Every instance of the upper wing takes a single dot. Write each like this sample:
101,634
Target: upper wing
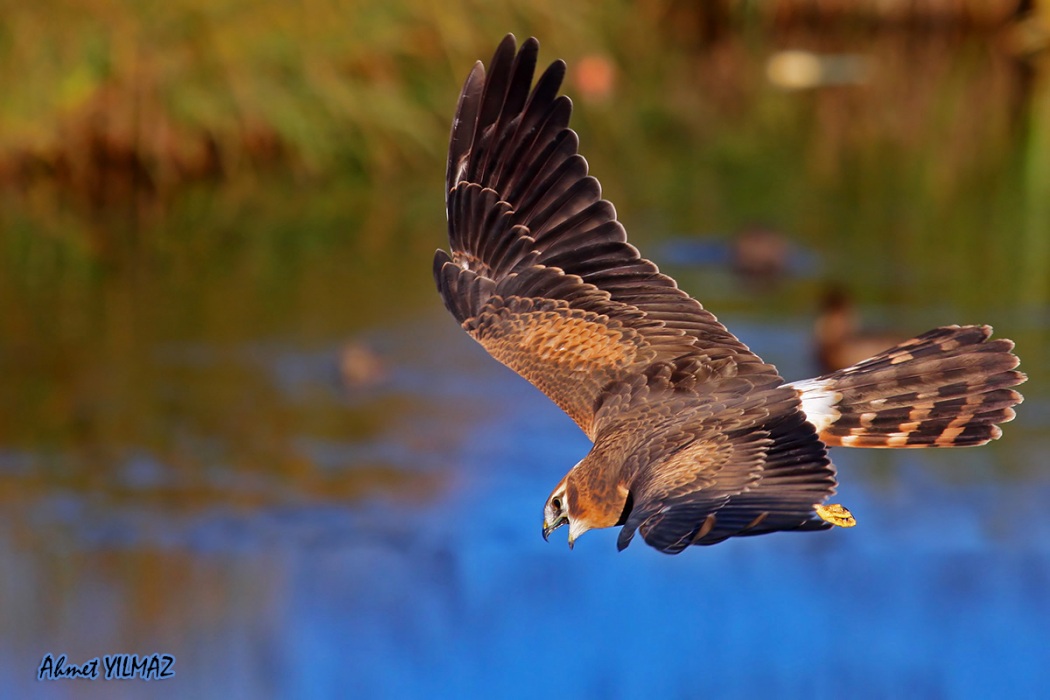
745,463
540,271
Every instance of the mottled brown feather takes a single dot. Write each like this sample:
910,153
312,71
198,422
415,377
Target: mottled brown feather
568,353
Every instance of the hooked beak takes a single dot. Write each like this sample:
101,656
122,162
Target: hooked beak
549,528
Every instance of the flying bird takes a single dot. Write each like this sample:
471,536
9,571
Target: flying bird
695,438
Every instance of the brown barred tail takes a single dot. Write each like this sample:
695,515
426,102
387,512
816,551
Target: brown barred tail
950,387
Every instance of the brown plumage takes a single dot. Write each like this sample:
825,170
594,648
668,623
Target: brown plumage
696,439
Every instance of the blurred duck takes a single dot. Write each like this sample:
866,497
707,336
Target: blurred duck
839,343
360,366
760,253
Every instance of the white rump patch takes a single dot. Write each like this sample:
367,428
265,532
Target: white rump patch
818,402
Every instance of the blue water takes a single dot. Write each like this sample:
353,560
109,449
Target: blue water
941,591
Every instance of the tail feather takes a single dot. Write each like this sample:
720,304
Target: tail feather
950,387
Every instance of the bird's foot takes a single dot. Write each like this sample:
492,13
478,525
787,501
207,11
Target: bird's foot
836,514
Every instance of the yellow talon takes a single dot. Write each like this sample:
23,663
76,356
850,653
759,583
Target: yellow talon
836,514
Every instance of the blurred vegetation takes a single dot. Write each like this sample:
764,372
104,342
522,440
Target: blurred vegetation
138,132
179,180
190,88
120,104
102,91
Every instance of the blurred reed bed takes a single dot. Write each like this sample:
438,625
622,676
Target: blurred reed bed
163,92
110,98
907,13
119,117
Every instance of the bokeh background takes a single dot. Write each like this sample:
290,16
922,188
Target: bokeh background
237,426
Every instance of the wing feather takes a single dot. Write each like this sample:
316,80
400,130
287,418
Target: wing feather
750,464
521,206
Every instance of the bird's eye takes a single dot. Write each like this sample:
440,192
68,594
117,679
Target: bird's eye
556,502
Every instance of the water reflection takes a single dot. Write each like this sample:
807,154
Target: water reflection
188,466
940,593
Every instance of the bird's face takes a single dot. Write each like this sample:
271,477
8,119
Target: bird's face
557,513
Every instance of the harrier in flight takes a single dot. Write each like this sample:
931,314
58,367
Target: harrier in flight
696,439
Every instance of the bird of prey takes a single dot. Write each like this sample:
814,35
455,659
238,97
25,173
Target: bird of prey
695,438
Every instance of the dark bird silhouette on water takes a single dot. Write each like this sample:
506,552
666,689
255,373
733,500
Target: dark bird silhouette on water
839,341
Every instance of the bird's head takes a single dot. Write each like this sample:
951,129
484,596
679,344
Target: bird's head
558,512
570,503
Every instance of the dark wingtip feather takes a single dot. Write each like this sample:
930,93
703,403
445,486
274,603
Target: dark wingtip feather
493,95
463,291
624,538
440,258
463,123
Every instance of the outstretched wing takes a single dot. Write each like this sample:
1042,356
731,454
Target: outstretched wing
540,271
741,461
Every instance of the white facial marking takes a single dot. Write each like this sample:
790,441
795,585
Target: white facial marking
576,528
